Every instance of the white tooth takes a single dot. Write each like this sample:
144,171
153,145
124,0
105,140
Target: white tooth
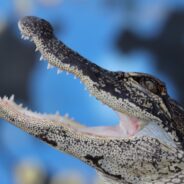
20,105
5,98
41,57
75,77
22,36
26,38
12,98
59,71
36,49
80,82
49,66
67,73
89,95
85,89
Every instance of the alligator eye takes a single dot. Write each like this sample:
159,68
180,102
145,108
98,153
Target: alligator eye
150,83
150,86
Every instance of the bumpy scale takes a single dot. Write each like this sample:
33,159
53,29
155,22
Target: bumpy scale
147,145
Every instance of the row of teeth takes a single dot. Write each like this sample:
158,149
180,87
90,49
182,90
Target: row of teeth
49,66
24,37
59,71
12,97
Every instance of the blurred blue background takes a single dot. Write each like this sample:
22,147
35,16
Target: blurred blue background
127,35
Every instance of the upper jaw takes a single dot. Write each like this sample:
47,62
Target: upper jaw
115,89
112,88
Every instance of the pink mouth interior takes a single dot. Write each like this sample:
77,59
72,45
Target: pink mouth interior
127,127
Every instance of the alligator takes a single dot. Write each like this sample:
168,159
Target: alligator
146,146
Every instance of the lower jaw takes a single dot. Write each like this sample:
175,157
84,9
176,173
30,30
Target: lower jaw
151,129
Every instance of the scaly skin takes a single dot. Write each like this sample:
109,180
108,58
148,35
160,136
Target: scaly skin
133,160
118,160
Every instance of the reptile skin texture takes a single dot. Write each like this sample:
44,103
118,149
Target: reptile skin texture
139,158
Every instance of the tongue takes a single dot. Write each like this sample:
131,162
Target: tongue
130,125
110,131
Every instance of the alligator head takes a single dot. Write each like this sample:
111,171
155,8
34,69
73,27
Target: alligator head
146,145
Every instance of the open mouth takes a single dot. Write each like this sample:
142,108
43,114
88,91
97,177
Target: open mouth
99,82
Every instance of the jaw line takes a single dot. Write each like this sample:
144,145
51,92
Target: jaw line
10,109
26,119
61,63
126,127
133,159
101,83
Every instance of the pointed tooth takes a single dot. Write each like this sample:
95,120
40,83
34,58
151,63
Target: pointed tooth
12,97
59,71
41,57
5,98
36,49
75,77
20,105
80,82
67,73
49,66
85,89
26,38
